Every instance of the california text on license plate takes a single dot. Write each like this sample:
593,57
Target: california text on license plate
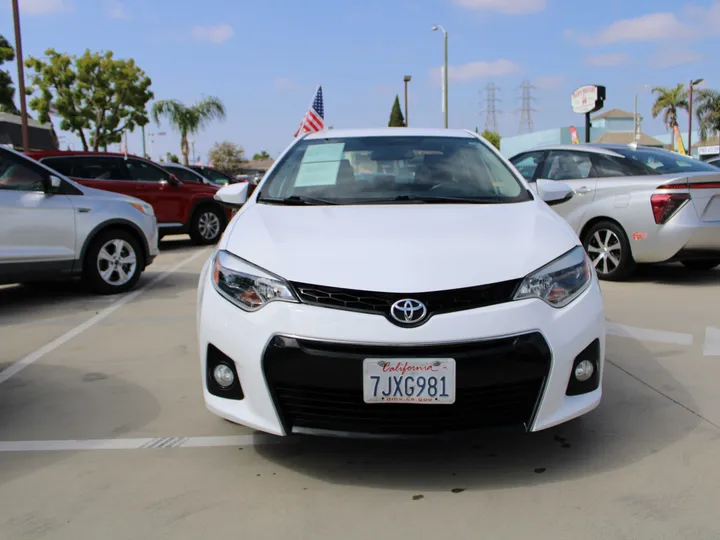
428,381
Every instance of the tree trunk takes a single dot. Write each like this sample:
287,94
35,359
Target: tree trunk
185,149
83,140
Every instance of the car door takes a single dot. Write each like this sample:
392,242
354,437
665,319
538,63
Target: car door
99,172
38,228
574,168
155,186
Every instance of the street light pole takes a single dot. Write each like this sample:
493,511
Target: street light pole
21,76
406,79
445,72
690,113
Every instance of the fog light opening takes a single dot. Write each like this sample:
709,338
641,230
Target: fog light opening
583,371
223,376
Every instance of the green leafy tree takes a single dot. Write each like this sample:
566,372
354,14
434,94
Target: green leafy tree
261,156
226,156
7,90
668,102
172,158
188,119
492,137
396,116
708,112
97,96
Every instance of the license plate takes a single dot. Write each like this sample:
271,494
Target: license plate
428,381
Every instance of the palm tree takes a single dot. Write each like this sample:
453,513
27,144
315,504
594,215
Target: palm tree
188,120
708,112
668,102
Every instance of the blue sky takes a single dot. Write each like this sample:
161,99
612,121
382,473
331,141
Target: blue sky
264,58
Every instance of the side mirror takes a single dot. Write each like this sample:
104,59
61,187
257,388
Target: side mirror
233,196
553,192
54,184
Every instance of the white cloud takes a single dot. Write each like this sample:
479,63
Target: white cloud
212,34
508,7
666,58
479,70
691,23
606,60
284,83
547,82
41,7
117,10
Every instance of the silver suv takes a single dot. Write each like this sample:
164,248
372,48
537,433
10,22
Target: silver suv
53,228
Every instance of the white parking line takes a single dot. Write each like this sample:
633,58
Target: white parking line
162,443
712,342
647,334
33,357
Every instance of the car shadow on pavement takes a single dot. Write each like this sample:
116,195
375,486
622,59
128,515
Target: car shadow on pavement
51,402
633,422
674,274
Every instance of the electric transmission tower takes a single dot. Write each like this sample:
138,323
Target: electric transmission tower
491,123
526,110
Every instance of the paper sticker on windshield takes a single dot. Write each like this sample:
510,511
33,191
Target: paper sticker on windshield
317,174
318,153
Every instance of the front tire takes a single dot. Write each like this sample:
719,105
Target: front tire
207,225
114,262
701,265
608,247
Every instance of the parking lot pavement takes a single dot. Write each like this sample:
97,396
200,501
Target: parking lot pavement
643,465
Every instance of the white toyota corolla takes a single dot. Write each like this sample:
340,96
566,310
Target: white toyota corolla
398,282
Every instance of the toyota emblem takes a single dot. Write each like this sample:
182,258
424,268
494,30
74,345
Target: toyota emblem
408,311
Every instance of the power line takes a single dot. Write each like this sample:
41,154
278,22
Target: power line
491,111
526,110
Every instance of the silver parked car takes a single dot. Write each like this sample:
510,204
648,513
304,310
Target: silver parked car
186,174
633,204
53,228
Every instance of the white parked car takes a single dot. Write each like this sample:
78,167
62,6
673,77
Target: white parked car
54,228
398,282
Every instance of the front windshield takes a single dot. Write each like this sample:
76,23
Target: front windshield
664,161
361,170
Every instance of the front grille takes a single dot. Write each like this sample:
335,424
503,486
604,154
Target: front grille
379,302
318,385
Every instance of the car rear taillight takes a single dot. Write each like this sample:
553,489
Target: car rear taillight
664,205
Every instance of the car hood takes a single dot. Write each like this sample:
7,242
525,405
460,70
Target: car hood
400,248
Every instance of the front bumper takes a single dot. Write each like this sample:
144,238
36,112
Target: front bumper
300,366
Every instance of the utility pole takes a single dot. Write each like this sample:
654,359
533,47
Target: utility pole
491,123
21,77
143,137
526,110
445,72
690,113
406,79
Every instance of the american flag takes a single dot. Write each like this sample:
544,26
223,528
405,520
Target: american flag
314,119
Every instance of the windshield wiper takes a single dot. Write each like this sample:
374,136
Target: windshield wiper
297,200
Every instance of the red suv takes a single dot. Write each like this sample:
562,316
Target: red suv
180,207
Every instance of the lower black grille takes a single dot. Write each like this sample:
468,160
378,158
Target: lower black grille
318,385
379,302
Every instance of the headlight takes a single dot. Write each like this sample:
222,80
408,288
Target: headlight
559,282
145,208
245,285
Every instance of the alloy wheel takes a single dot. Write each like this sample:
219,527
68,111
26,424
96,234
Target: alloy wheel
208,225
116,262
605,251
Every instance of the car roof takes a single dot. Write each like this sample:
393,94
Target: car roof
173,164
68,153
606,149
389,132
